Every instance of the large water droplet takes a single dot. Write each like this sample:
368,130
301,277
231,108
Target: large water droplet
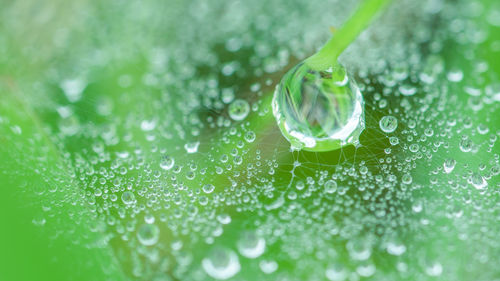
319,110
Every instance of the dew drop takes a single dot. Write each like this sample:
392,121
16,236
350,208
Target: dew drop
148,234
396,248
167,163
128,198
251,245
465,144
208,188
319,110
434,269
250,136
238,109
359,249
336,272
449,165
268,266
407,90
221,263
455,75
478,181
192,147
388,124
330,186
73,88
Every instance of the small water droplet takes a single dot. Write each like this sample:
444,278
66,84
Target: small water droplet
148,234
208,188
221,263
238,109
388,124
449,165
128,198
330,186
478,181
465,144
268,266
336,272
192,147
250,136
167,162
251,245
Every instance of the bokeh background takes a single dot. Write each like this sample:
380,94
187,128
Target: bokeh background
120,160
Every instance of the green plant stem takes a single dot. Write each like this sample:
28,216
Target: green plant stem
364,14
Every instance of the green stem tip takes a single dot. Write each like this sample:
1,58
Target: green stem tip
327,56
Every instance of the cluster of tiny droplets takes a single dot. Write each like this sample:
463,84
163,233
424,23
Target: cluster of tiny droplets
173,151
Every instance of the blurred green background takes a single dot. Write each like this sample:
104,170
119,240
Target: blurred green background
95,94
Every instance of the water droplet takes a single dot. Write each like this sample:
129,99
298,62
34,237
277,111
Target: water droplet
434,269
192,147
250,136
251,245
359,249
224,218
238,109
366,269
406,179
167,163
449,165
478,181
407,90
336,272
465,144
388,124
128,198
73,88
319,110
330,186
148,234
208,188
221,263
455,75
268,266
396,248
394,140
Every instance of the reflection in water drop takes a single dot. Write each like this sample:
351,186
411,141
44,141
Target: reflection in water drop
221,263
319,110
